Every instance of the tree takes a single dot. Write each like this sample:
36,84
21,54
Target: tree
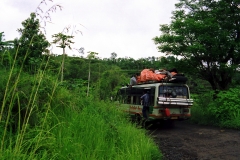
63,41
110,81
207,35
113,57
90,56
32,42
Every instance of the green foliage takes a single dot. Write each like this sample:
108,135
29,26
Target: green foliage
200,110
63,41
226,105
32,43
24,95
221,111
76,68
110,82
6,58
99,131
232,123
71,126
206,35
236,80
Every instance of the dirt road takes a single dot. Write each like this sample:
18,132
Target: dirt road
187,141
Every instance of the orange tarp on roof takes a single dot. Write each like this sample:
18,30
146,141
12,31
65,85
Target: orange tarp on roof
148,75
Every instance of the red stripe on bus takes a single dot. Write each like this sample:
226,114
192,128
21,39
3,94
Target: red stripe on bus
169,106
160,116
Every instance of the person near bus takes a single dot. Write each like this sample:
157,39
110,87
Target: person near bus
145,103
133,80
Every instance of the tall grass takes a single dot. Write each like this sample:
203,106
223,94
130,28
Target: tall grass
41,119
100,131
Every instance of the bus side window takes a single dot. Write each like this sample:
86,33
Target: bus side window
135,99
128,99
124,98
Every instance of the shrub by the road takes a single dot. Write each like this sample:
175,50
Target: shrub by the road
223,110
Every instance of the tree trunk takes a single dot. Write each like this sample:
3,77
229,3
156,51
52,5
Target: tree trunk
62,65
218,82
88,78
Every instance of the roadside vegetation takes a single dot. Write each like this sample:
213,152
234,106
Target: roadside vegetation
222,111
58,107
44,120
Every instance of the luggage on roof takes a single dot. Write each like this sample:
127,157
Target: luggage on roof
147,75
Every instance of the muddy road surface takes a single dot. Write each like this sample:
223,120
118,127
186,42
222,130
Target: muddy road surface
187,141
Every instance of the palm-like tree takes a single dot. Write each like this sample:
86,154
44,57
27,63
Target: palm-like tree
63,41
90,56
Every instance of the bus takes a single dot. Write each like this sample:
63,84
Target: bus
168,101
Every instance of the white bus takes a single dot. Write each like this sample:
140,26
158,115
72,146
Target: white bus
168,101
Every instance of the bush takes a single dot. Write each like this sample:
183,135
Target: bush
199,111
223,111
226,109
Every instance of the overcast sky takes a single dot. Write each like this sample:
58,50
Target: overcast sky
125,27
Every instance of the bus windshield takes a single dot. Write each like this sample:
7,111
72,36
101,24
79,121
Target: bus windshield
173,91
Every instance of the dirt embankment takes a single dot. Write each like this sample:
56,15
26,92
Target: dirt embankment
187,141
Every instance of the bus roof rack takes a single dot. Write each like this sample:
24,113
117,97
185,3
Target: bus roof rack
177,79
